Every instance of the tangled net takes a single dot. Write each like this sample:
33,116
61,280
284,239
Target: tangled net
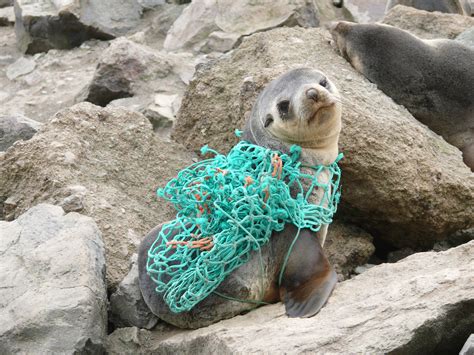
227,207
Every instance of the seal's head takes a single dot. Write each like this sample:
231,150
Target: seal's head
300,107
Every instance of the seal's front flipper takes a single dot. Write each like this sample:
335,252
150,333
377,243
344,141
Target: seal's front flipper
308,278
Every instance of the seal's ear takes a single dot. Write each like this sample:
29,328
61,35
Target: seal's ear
308,278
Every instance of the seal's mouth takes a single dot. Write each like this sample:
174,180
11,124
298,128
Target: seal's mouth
324,106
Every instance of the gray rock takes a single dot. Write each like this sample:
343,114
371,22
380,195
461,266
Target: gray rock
5,3
41,26
428,25
468,348
53,296
193,26
220,42
423,304
402,183
74,200
363,268
467,37
365,11
445,6
204,17
127,307
347,247
14,128
138,341
150,4
127,69
7,16
59,76
115,155
22,66
156,23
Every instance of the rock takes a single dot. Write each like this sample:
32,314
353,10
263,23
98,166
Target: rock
427,25
22,66
423,304
204,17
391,159
137,341
112,153
365,11
7,16
41,26
347,247
157,23
467,37
127,306
194,24
53,294
400,254
219,41
150,4
128,69
454,7
59,76
14,128
468,348
162,113
363,268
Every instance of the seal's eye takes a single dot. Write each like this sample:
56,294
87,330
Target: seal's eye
268,120
324,82
283,108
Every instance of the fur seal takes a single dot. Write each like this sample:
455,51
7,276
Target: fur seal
433,79
461,7
300,107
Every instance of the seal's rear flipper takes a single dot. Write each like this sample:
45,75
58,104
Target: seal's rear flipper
308,279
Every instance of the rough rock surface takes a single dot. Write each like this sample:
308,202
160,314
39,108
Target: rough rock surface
58,77
365,11
347,247
391,159
468,348
422,304
53,296
114,155
5,3
427,25
14,128
41,26
133,340
128,69
21,67
203,17
127,307
467,37
7,16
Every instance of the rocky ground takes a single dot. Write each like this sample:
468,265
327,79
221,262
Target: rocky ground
101,102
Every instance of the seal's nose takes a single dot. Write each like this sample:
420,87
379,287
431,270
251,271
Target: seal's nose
312,94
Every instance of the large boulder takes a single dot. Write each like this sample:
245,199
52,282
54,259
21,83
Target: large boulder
53,297
241,18
14,128
130,69
43,25
401,182
422,304
105,163
427,25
